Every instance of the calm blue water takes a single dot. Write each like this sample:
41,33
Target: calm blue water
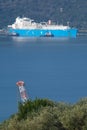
51,68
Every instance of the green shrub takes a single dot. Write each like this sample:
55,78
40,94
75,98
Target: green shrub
32,106
43,114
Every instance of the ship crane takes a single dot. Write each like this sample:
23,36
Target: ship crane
22,91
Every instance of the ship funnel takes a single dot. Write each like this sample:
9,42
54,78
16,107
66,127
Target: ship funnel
49,22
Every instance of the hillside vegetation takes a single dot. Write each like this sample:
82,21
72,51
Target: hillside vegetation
60,11
43,114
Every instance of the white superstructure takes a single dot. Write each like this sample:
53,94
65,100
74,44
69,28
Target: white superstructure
27,23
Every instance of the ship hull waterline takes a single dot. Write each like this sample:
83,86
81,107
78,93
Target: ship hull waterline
71,33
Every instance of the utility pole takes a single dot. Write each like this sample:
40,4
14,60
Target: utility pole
61,12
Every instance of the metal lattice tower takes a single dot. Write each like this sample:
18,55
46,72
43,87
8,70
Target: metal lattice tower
22,91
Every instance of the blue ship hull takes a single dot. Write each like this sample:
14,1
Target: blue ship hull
41,32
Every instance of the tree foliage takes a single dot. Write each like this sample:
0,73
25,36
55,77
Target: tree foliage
32,106
61,11
43,114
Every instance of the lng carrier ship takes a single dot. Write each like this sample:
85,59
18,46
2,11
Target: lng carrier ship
26,27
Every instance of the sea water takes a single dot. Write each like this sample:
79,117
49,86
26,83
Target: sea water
51,68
